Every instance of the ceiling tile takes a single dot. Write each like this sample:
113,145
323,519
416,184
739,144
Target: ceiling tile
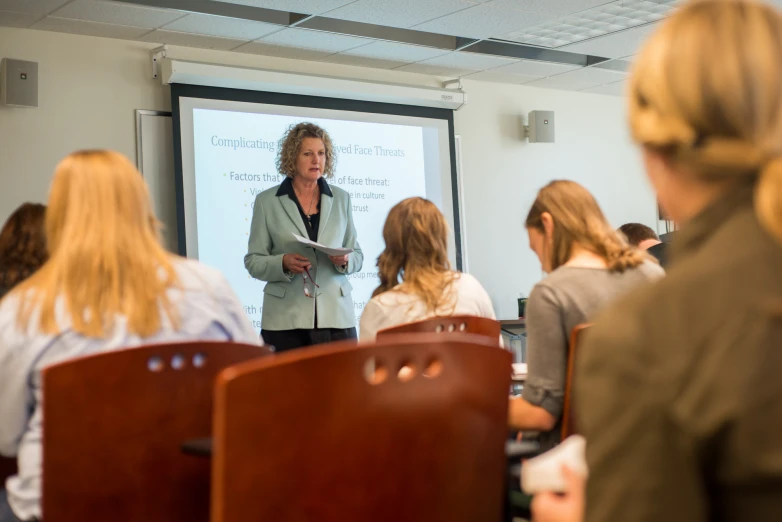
559,82
222,27
551,83
536,68
499,77
434,70
317,40
191,40
394,51
363,61
623,66
482,21
294,6
282,51
592,75
593,23
550,7
468,61
38,7
614,89
9,19
398,13
66,25
615,45
115,13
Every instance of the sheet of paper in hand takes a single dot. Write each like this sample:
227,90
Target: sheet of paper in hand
544,472
329,251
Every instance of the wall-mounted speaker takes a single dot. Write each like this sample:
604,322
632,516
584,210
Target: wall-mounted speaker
18,83
541,127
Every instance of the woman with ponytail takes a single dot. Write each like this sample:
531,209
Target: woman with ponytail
678,390
416,280
589,264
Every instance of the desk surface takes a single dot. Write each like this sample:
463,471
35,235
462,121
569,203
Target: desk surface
506,324
203,448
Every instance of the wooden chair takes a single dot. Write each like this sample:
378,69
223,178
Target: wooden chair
568,416
453,324
518,502
333,434
113,425
7,469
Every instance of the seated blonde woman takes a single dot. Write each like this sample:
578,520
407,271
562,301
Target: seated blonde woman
108,284
416,280
589,265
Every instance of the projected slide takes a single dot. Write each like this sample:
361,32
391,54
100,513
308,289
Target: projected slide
233,160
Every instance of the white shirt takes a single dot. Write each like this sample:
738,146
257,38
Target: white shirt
208,310
397,307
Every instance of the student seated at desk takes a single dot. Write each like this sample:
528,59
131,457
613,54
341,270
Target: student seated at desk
22,245
416,280
646,239
589,265
108,284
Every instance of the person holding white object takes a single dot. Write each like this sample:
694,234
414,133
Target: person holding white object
416,280
307,299
677,386
544,472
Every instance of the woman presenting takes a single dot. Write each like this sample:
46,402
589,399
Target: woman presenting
307,297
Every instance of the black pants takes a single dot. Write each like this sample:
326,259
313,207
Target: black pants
284,340
6,515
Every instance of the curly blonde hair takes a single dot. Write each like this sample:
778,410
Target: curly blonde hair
290,146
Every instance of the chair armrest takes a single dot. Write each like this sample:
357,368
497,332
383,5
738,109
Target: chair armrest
522,449
197,447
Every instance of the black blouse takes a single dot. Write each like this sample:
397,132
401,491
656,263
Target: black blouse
313,222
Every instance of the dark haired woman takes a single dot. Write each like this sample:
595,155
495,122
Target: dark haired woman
22,245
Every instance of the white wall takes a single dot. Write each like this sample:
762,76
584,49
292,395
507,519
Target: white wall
89,88
503,172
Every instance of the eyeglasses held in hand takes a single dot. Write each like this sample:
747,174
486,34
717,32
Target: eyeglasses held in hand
309,284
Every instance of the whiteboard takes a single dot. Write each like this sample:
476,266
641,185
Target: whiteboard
155,161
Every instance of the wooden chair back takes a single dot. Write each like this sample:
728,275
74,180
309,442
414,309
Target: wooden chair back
568,415
334,434
7,469
453,324
113,426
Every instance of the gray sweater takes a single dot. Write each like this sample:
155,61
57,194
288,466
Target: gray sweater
569,296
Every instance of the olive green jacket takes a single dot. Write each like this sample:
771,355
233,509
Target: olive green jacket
678,386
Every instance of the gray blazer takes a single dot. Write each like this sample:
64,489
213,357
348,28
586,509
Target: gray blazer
285,307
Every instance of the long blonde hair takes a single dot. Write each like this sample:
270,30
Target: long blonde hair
707,92
416,236
578,219
106,259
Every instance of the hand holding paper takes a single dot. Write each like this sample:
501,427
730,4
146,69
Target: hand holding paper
329,251
544,472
